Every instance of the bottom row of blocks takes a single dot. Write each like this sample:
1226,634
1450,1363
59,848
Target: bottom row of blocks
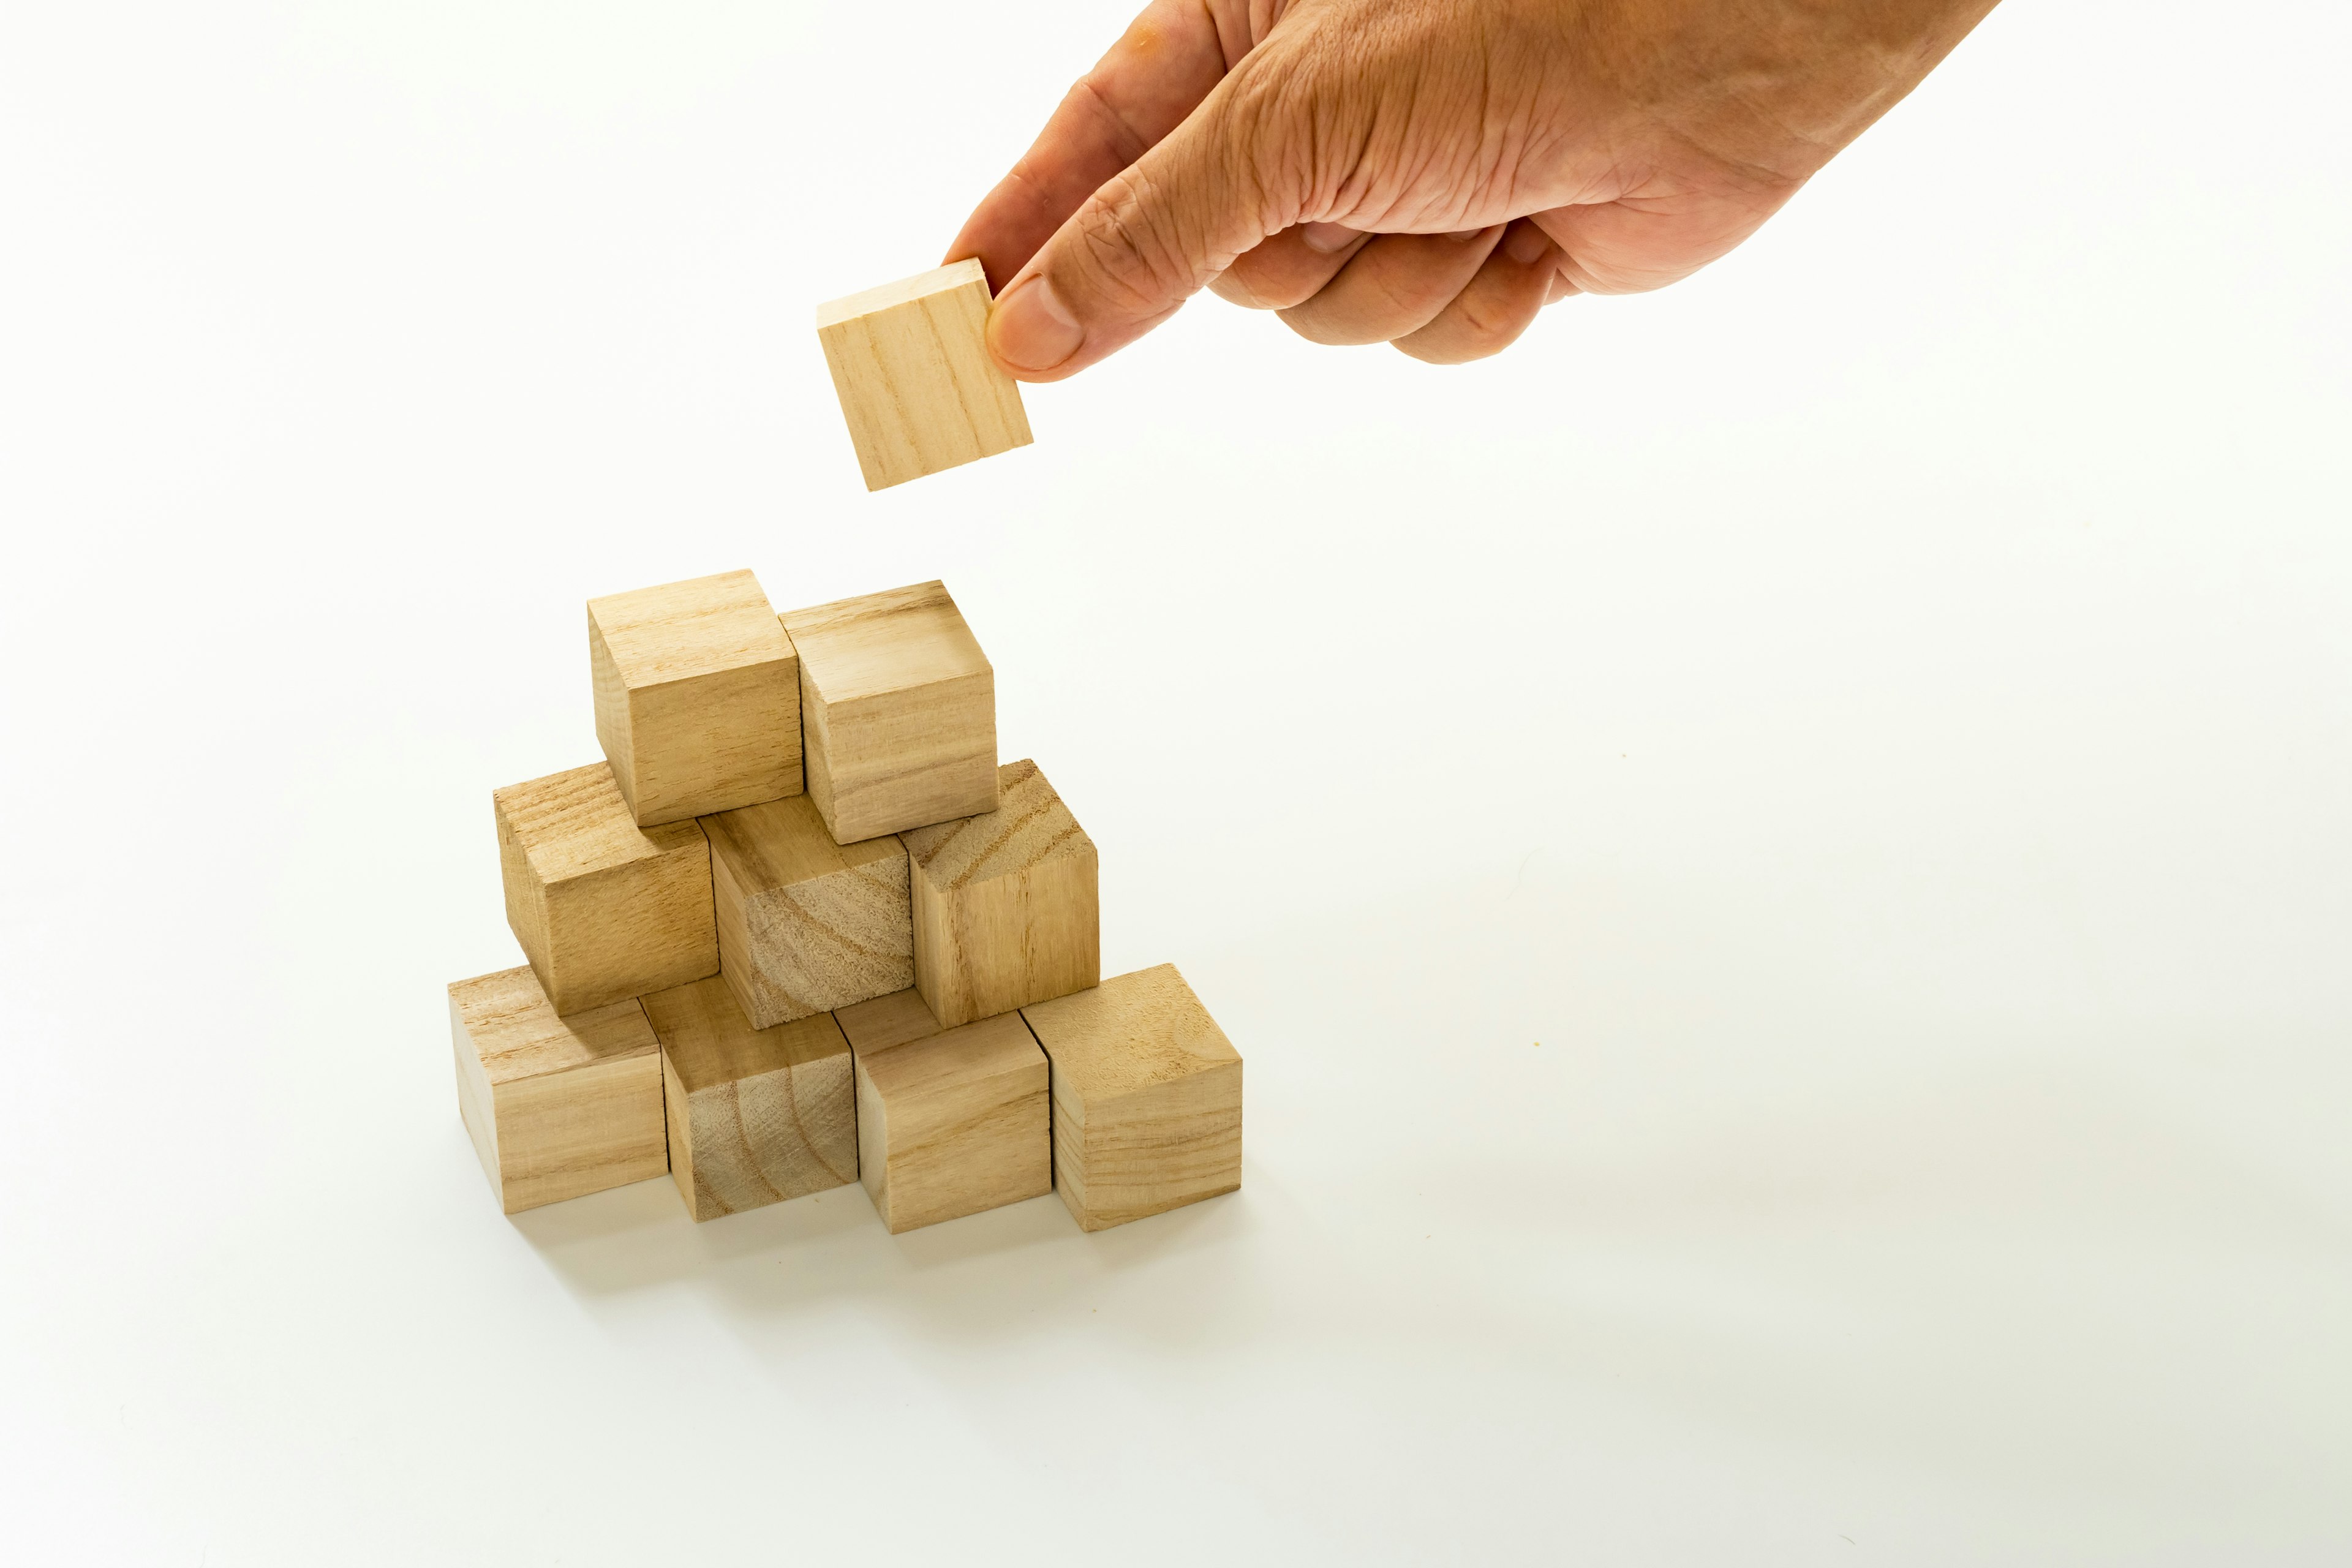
1125,1097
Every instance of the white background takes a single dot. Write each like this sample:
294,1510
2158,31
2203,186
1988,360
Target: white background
1779,856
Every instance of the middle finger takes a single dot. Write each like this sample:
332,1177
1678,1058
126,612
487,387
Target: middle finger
1395,285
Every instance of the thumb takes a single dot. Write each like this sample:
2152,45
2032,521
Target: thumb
1152,237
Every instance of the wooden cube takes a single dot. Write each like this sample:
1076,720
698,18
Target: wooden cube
949,1122
899,706
1146,1098
556,1107
697,697
886,1021
918,387
1006,904
603,909
756,1116
806,925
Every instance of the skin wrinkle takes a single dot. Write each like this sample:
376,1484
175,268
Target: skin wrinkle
1487,158
1108,237
1235,42
1485,322
1644,138
1493,138
1471,317
1748,88
1414,172
1408,294
1133,142
1320,137
1352,199
1252,106
1390,133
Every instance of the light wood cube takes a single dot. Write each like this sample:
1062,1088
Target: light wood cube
1006,904
697,697
603,909
949,1122
886,1021
556,1107
806,925
1146,1098
756,1116
918,387
899,706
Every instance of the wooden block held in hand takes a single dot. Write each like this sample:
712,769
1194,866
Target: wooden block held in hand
556,1107
806,925
756,1116
697,697
1006,904
603,909
949,1122
1146,1098
910,363
898,708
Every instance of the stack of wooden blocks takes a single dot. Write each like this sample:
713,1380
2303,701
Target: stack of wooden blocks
798,929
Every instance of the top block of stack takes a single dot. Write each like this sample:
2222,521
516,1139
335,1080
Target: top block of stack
899,706
697,697
910,363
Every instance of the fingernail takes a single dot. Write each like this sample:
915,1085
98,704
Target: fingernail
1031,329
1326,238
1526,245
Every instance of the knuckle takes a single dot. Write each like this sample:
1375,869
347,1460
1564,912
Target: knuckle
1484,331
1126,257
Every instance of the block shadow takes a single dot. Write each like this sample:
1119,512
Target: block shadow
971,1278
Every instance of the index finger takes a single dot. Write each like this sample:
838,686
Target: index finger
1158,71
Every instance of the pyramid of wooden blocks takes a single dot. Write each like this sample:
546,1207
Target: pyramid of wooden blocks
806,925
697,697
801,930
910,363
1004,903
556,1107
604,909
899,710
949,1122
1146,1098
756,1116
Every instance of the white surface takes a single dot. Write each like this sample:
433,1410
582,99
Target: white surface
1880,715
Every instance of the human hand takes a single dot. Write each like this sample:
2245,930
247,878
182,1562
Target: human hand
1424,172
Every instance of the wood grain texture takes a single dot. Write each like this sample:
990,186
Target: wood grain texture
954,1122
1006,904
918,387
886,1021
1146,1098
603,909
898,711
806,925
756,1116
697,697
556,1107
